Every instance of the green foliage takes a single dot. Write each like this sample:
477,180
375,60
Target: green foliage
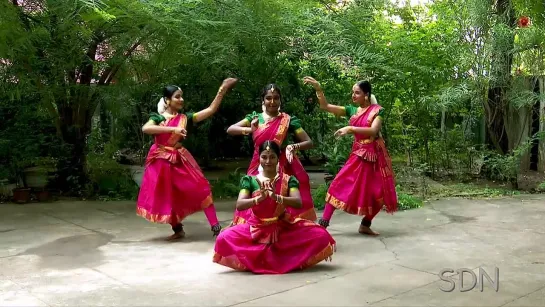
431,68
228,187
408,202
336,151
109,180
318,196
541,187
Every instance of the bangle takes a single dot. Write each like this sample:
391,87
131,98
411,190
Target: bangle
245,131
279,199
350,129
255,201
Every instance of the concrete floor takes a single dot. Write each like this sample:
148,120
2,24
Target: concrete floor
102,254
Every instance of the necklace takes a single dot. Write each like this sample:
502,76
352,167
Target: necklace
267,117
168,114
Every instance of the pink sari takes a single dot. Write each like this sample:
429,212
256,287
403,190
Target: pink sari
277,130
173,185
365,184
271,241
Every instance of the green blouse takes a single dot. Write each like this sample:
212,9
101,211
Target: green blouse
158,118
295,125
351,110
249,184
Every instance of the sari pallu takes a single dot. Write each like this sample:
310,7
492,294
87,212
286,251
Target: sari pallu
173,186
277,130
365,184
271,241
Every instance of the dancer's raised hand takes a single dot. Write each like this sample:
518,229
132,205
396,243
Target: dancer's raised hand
313,82
207,112
263,191
229,83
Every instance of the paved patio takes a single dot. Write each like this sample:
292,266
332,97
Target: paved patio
102,254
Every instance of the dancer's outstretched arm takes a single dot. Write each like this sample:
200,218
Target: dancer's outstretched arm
372,131
151,128
305,142
243,127
213,108
324,105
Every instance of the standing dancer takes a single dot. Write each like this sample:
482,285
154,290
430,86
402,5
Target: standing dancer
271,124
366,181
173,186
271,241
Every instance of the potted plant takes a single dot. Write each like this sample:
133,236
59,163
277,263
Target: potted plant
21,193
37,176
7,184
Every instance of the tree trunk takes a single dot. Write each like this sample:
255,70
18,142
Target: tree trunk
105,123
541,154
518,124
75,126
500,70
73,173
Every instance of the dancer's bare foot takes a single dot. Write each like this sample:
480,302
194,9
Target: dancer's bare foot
365,230
179,232
176,236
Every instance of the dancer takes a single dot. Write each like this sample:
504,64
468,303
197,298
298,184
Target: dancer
173,186
271,241
366,182
272,124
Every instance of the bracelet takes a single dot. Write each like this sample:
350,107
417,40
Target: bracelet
280,199
350,129
221,91
245,131
255,201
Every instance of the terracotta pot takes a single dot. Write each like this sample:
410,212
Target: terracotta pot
21,195
43,195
